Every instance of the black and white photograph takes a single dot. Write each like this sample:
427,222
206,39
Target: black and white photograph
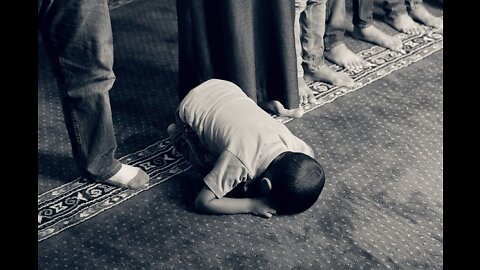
240,134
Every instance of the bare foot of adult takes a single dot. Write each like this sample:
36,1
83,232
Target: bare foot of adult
421,14
305,93
328,75
343,56
276,108
405,24
376,36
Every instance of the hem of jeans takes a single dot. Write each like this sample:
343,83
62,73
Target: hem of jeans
111,173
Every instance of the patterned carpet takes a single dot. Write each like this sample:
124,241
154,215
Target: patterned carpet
380,143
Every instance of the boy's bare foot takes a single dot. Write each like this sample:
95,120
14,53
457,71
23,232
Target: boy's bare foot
421,14
376,36
328,75
405,24
305,93
129,177
276,108
343,56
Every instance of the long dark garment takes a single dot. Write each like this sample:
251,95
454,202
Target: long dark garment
248,42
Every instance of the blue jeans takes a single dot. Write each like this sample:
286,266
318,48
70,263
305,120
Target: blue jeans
309,32
78,38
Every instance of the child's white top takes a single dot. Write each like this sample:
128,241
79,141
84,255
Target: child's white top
244,138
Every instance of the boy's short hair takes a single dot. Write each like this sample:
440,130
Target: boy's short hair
297,181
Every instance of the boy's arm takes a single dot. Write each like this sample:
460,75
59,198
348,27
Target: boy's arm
206,202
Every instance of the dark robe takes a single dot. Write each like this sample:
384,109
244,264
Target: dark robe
248,42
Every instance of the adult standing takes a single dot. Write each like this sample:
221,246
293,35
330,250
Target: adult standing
78,38
250,43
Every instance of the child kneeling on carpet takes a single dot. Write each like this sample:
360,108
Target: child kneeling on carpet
233,143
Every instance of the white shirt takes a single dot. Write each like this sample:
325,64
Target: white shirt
242,137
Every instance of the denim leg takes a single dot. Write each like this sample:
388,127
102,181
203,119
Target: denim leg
313,31
299,9
78,38
335,23
362,13
393,8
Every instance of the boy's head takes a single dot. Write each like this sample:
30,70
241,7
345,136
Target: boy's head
296,182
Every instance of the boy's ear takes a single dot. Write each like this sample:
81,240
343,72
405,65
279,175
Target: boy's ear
266,184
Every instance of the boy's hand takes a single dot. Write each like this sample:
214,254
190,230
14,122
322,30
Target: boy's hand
261,207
